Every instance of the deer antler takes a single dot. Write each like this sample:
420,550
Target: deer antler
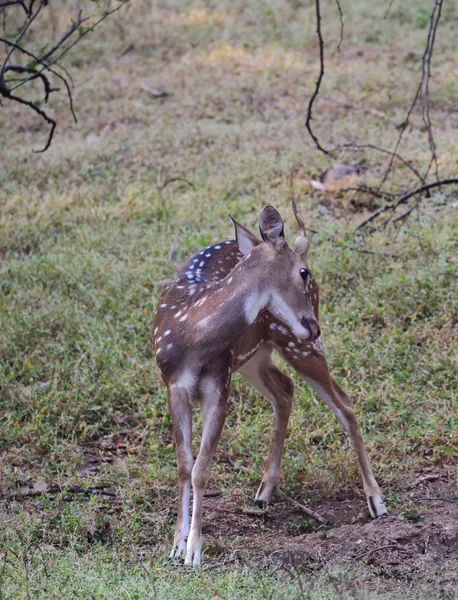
300,222
301,244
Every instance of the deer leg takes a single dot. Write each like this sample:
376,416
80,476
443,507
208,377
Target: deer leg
278,388
318,376
180,411
213,389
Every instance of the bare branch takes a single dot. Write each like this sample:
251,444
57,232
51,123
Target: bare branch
79,21
47,68
5,3
318,82
34,75
41,66
89,29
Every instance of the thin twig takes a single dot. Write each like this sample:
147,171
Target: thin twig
2,572
393,154
423,93
45,60
368,190
373,252
56,489
370,552
369,111
388,9
426,74
339,9
89,29
439,499
405,215
148,574
318,82
79,21
47,68
18,39
307,511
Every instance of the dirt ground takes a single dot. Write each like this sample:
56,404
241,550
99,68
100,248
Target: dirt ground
417,542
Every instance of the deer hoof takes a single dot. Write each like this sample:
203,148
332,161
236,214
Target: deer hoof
376,507
178,551
193,550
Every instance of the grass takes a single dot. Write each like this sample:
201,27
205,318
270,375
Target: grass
85,234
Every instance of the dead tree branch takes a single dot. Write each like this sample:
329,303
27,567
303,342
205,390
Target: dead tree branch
42,65
318,82
421,96
403,199
303,509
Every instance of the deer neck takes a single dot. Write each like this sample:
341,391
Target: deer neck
234,304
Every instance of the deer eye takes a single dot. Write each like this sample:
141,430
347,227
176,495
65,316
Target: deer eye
304,274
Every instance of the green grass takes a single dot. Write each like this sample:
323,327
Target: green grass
85,234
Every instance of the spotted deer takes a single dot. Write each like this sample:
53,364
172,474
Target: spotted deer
226,310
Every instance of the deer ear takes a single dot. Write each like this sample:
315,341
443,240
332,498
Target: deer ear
246,241
271,225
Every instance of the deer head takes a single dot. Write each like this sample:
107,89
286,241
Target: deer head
281,273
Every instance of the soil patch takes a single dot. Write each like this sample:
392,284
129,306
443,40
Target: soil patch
417,542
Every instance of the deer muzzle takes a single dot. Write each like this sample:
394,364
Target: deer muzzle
312,326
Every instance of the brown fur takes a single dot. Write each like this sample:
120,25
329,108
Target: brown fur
203,332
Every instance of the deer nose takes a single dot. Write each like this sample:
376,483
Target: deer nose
312,326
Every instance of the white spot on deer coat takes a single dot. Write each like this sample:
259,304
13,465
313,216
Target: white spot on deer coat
203,321
318,346
168,332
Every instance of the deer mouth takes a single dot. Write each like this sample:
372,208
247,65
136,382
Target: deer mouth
311,325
